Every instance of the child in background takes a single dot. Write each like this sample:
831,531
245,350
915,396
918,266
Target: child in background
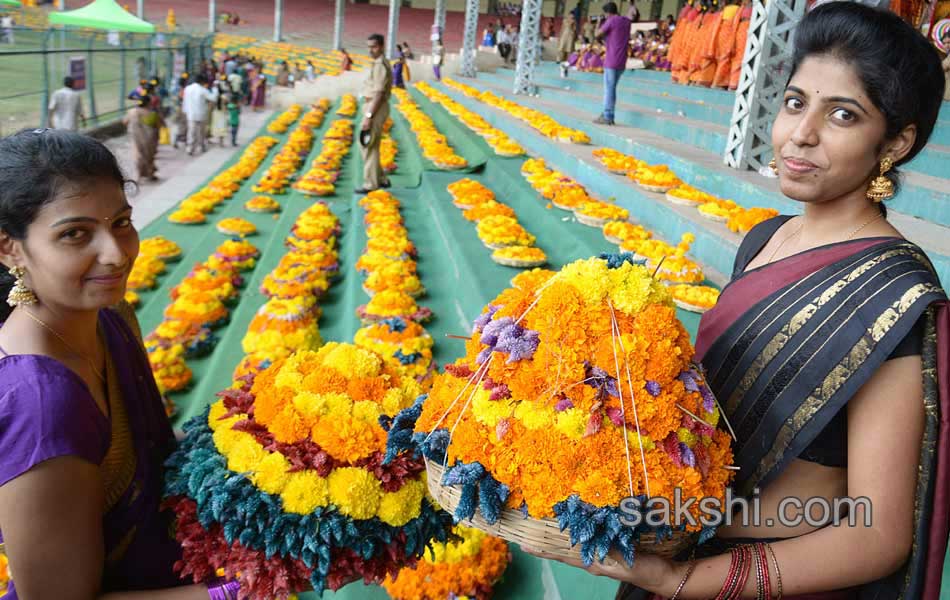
234,117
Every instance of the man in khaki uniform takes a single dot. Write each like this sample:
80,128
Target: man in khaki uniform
376,91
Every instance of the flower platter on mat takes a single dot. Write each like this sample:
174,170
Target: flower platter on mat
577,390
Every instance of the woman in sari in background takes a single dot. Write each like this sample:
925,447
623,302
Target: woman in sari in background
829,351
143,123
725,46
685,30
259,92
703,62
83,431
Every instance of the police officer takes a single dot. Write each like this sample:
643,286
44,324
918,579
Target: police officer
376,91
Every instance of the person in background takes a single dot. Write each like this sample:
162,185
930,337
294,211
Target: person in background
259,91
311,71
615,32
438,58
195,106
234,116
488,36
230,64
588,30
565,44
143,123
65,107
670,23
84,433
376,91
179,125
300,74
504,43
633,13
7,22
283,75
219,112
346,63
400,69
407,51
236,80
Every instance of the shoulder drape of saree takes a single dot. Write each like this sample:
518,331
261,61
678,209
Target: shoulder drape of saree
705,69
726,46
742,34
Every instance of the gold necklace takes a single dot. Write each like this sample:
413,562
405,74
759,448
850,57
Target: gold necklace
92,365
800,227
865,224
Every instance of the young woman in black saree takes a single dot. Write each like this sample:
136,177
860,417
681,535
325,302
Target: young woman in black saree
830,348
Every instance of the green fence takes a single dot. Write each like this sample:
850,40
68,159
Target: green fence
34,63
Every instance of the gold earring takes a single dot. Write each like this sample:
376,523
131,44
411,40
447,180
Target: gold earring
881,187
20,295
773,165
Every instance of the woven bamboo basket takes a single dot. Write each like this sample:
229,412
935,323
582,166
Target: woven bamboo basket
541,534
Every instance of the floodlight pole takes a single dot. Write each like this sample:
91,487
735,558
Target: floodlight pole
278,19
212,17
140,9
469,51
338,25
393,29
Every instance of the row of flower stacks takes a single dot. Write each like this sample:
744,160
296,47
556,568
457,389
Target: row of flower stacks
287,162
543,123
496,138
677,270
497,225
392,320
434,144
320,178
194,209
661,179
577,390
281,483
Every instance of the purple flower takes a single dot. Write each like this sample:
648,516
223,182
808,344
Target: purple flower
518,342
600,380
687,456
483,355
493,329
653,388
709,401
484,318
689,381
563,404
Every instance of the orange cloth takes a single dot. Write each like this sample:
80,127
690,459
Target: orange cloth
741,34
726,45
703,69
683,35
694,19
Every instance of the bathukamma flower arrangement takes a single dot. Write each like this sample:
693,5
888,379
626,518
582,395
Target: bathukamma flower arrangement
282,484
577,390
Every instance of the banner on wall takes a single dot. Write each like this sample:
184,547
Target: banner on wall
77,70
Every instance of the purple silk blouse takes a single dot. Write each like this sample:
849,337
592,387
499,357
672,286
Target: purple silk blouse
46,411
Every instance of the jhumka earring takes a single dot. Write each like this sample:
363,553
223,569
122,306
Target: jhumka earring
20,295
881,187
773,165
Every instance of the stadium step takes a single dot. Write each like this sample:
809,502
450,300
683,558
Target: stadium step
715,245
925,194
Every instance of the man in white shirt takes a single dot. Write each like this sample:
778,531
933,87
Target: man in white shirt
194,104
65,107
6,22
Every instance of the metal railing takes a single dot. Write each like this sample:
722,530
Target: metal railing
33,63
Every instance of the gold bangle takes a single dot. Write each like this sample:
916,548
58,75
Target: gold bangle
778,572
679,588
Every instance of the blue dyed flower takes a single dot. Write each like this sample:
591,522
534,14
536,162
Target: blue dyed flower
483,319
653,388
615,261
406,359
395,324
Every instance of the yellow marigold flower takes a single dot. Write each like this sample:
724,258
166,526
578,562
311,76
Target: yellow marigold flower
350,360
686,436
394,401
355,492
215,413
245,454
304,492
398,508
572,423
348,439
488,411
366,411
272,473
534,416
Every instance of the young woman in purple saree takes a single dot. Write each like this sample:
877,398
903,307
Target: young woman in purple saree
83,433
829,351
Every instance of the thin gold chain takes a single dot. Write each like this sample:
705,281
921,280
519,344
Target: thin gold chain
799,229
92,365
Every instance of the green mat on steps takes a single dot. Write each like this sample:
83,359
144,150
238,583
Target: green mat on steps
453,264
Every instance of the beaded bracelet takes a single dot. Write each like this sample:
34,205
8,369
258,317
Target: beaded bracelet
778,572
679,588
763,584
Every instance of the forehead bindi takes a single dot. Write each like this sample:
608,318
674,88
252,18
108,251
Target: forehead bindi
102,201
828,77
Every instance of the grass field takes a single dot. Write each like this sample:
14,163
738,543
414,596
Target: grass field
22,87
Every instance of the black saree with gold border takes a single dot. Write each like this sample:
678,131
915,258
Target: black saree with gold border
790,343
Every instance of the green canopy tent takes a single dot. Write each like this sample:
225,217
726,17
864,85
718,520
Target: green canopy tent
102,14
13,3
